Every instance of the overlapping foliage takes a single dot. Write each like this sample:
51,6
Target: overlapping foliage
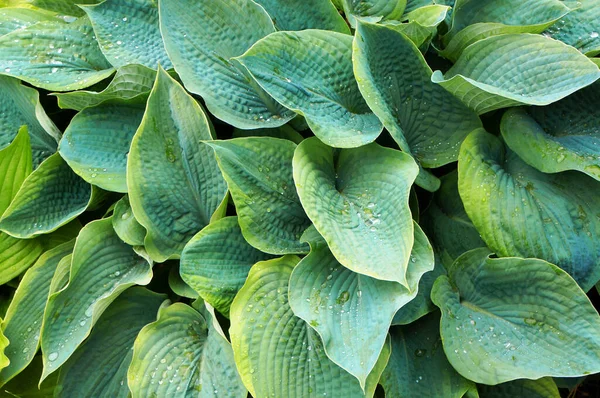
348,198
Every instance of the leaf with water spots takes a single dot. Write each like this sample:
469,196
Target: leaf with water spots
128,32
418,366
102,267
183,354
201,38
125,224
216,262
96,142
23,321
502,196
373,10
277,353
174,182
71,59
503,319
490,74
14,18
99,367
358,201
580,28
352,312
558,137
258,171
310,72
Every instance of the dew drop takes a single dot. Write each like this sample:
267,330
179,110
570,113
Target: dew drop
53,356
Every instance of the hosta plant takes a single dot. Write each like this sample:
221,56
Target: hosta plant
289,199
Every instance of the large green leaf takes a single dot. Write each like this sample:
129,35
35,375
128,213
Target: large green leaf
259,174
21,106
128,32
97,141
558,137
216,262
358,201
99,367
418,367
396,81
510,318
473,20
182,354
173,178
522,212
201,38
23,321
102,267
125,224
448,225
542,388
490,74
310,72
580,28
50,197
14,18
130,81
307,14
277,353
71,59
373,10
352,312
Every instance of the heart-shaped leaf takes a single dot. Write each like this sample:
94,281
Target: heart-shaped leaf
490,73
310,72
174,182
201,38
358,201
503,319
352,312
216,262
183,354
277,353
501,194
99,367
258,171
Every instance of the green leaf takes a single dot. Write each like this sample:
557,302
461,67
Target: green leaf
489,74
64,7
522,212
310,72
128,32
178,286
130,82
23,321
16,255
308,14
15,166
358,201
352,312
201,38
62,235
542,388
12,19
412,5
285,132
4,342
216,262
61,275
21,106
476,20
25,384
409,104
277,353
418,367
182,354
99,367
373,10
580,28
71,59
102,267
503,319
562,136
173,178
422,24
259,175
50,197
447,223
97,141
125,224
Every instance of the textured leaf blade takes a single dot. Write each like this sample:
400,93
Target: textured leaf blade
368,229
513,330
201,38
173,179
309,14
310,72
580,28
